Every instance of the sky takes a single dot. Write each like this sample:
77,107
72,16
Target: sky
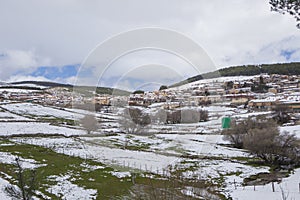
56,39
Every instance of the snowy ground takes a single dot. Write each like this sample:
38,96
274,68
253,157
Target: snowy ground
40,111
289,187
67,190
3,195
23,128
8,116
8,158
291,129
202,155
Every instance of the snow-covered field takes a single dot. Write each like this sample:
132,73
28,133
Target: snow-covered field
23,128
163,150
198,149
8,116
40,111
288,189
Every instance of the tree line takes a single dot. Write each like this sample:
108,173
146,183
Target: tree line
248,70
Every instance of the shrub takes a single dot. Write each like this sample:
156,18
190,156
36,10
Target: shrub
263,139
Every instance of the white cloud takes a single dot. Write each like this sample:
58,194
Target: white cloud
17,61
70,80
241,32
65,31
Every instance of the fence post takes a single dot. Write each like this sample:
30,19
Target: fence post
234,184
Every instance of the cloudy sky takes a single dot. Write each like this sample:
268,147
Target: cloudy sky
50,40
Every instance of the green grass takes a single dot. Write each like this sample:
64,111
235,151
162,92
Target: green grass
58,121
107,185
134,145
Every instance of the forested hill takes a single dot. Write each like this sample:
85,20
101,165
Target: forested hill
248,70
282,68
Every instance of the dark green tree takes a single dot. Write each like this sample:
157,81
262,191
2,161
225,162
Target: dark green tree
287,6
163,87
139,92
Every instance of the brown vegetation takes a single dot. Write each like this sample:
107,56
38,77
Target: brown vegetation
263,139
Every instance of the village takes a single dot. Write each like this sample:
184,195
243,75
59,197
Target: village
261,92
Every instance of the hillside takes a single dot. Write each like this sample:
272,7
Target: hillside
39,85
247,70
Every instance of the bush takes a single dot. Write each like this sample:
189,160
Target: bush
134,121
263,139
89,123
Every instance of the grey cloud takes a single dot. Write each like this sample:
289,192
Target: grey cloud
65,31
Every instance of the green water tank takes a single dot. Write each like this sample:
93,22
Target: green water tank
226,122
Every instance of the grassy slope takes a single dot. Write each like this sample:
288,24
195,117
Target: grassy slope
106,184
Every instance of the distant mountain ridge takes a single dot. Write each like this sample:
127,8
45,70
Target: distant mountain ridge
34,85
247,70
42,83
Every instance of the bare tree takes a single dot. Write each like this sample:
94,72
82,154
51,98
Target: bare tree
26,184
262,143
134,121
263,139
89,123
238,130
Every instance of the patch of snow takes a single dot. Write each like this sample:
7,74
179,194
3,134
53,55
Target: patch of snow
9,158
36,128
15,90
89,168
6,116
121,174
65,189
291,129
289,186
41,111
3,184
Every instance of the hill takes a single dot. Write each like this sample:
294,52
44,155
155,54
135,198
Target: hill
40,85
247,70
